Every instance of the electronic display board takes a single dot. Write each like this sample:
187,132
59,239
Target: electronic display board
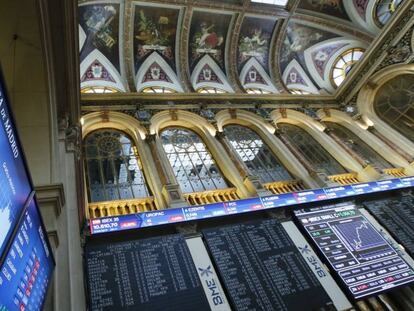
397,216
360,255
155,218
149,274
15,185
262,269
28,265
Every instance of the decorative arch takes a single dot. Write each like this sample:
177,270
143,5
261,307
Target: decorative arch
208,74
131,126
315,129
259,79
159,72
366,100
116,82
206,131
295,77
343,119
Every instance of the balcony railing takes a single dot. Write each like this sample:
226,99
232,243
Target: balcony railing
345,179
121,207
279,187
395,172
212,196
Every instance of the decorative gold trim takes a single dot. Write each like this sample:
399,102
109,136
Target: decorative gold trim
121,207
395,172
345,179
279,187
212,196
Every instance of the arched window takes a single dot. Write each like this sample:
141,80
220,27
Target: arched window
99,90
344,63
158,90
252,90
193,165
384,10
113,167
358,145
255,154
394,104
311,149
210,90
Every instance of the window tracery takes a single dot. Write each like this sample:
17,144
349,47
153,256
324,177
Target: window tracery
344,63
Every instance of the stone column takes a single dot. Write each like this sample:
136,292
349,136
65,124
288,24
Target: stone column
170,187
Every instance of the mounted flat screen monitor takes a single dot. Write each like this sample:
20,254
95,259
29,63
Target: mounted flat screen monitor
397,216
27,269
149,274
363,259
262,269
15,185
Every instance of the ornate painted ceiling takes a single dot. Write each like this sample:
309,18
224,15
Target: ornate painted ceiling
231,46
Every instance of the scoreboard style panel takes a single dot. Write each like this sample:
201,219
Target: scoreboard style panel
360,255
27,268
149,274
262,269
397,216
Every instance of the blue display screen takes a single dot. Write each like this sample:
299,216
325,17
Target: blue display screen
148,219
28,265
15,184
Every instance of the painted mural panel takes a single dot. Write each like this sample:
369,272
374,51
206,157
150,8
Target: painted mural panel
208,35
254,41
297,39
155,30
329,7
100,22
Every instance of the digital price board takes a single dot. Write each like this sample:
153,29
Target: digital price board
170,216
363,259
262,269
397,216
28,265
15,185
149,274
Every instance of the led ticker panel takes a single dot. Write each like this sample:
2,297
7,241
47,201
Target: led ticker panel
15,185
28,265
397,216
148,274
262,268
361,256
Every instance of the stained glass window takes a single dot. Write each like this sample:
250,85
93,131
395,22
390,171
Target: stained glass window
317,156
256,154
384,10
344,64
394,104
358,145
113,167
193,165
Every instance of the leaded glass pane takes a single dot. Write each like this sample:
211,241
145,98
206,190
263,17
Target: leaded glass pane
114,170
394,104
255,154
358,145
317,156
192,163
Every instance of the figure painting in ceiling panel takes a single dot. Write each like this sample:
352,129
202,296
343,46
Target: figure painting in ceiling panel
208,37
254,41
328,7
155,30
100,24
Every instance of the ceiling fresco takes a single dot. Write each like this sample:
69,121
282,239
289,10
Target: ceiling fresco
230,46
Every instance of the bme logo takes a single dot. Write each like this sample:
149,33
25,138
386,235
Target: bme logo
205,272
215,294
307,253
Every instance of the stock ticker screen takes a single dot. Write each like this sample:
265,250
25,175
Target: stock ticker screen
15,184
149,274
360,255
28,265
262,269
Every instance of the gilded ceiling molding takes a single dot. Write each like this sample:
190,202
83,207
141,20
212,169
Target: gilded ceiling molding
275,47
231,55
128,44
389,48
184,66
327,22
